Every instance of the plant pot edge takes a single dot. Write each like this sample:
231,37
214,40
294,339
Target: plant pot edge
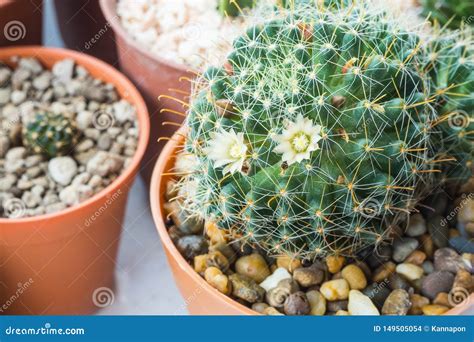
157,190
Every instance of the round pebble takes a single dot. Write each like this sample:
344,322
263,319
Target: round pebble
354,276
360,304
436,282
410,271
335,289
397,303
253,266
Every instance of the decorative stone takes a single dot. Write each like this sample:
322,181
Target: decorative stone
337,305
416,258
398,303
360,304
260,307
434,309
416,226
290,264
277,296
462,244
246,288
464,280
427,245
218,280
403,247
191,246
218,260
446,259
410,271
297,304
396,281
272,280
383,272
417,302
308,276
335,289
335,263
442,298
253,266
436,282
317,302
378,293
62,170
355,277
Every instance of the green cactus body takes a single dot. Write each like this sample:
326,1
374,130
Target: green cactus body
450,65
314,135
50,134
449,12
232,8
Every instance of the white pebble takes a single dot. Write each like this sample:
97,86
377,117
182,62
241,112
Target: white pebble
272,280
360,304
410,271
62,169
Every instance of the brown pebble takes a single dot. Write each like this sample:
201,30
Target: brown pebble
290,264
200,263
219,281
215,234
397,303
442,298
297,304
308,276
417,302
464,280
427,244
272,312
253,266
383,272
217,259
355,277
335,263
434,309
416,258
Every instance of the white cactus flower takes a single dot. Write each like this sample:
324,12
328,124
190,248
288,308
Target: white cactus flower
227,149
298,140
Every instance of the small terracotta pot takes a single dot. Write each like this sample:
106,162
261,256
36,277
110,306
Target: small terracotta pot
20,22
201,298
68,258
84,28
154,76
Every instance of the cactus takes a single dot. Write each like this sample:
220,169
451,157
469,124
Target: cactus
314,136
50,134
232,8
450,65
449,12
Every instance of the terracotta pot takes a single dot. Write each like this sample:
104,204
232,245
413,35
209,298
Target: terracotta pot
67,257
154,76
84,28
201,298
20,22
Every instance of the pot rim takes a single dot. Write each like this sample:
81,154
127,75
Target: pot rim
109,9
134,97
156,191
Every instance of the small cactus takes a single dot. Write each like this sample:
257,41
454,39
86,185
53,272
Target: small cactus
50,134
450,65
315,134
449,12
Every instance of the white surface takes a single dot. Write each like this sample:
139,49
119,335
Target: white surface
145,285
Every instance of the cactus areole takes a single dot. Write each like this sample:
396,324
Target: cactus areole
314,135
